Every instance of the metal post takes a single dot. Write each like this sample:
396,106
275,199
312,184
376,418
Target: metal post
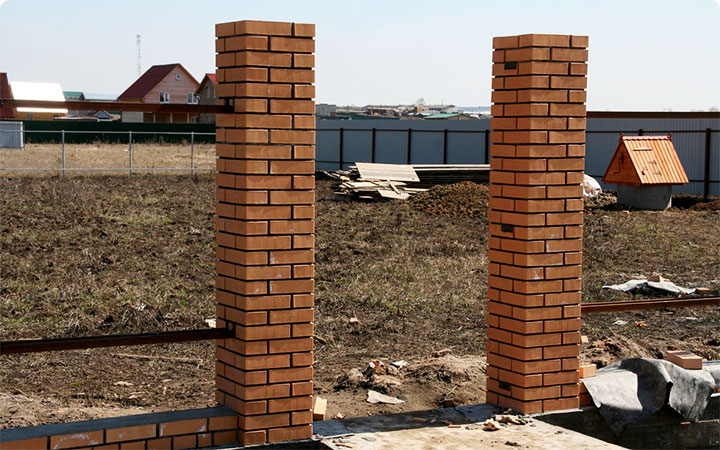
341,148
62,146
487,146
192,153
706,167
640,132
409,146
372,149
445,145
130,152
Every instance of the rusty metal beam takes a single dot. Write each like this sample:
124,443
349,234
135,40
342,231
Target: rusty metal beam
652,303
119,340
118,106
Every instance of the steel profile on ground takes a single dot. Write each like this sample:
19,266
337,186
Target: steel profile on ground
652,303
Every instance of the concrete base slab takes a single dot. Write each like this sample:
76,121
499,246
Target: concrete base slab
431,430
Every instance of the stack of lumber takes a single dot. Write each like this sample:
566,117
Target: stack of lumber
369,181
431,174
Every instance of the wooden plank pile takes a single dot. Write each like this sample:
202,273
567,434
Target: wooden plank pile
368,181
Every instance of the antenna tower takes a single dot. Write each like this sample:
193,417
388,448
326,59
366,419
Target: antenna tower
138,42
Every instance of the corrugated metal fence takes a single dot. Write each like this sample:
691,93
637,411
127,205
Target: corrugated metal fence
11,134
342,142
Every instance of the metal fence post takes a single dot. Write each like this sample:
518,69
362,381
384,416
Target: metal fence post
130,153
706,168
62,146
409,146
372,148
445,145
192,153
487,146
341,148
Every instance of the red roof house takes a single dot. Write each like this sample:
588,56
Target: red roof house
168,83
206,95
5,92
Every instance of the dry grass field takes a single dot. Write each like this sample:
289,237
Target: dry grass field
104,254
146,157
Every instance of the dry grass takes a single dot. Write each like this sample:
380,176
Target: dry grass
101,155
82,257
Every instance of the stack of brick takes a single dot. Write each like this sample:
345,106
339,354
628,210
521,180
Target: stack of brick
536,204
265,227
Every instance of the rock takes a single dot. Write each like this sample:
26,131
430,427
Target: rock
490,425
392,370
351,379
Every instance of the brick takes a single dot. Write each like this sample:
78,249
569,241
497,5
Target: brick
291,197
263,391
536,393
555,326
570,377
569,54
263,27
587,370
292,167
527,54
303,29
543,40
130,433
236,43
561,351
567,109
560,404
263,59
249,437
291,345
76,440
531,367
303,91
290,433
292,76
294,374
301,417
39,443
225,29
579,41
263,121
292,45
263,90
260,333
137,445
684,359
505,42
569,82
262,362
543,68
291,286
290,404
183,427
182,442
526,82
160,444
530,314
542,95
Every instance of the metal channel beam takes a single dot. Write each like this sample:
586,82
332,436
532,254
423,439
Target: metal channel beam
120,340
652,303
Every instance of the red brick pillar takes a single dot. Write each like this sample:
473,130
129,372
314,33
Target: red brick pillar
536,204
265,227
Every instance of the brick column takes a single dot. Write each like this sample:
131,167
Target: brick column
265,227
536,204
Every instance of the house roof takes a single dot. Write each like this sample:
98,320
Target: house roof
24,90
147,81
645,160
209,77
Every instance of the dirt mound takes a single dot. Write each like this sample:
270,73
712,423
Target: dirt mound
710,205
605,200
464,199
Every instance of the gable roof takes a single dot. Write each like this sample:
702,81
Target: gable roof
645,160
147,81
209,77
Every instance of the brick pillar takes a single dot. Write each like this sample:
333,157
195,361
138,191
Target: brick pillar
536,204
265,227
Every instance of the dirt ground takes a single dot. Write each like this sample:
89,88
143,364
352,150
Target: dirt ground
107,255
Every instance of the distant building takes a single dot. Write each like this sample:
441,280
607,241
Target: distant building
23,90
205,94
450,116
169,83
325,110
5,92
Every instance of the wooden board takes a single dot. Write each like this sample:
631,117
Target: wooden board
395,172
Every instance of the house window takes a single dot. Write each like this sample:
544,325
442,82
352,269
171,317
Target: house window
178,76
164,97
192,98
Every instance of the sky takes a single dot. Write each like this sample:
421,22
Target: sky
649,55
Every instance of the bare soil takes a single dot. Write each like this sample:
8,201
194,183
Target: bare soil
107,255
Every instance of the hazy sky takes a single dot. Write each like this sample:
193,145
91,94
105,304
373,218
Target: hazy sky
644,54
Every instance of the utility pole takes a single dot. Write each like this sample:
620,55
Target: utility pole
138,42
